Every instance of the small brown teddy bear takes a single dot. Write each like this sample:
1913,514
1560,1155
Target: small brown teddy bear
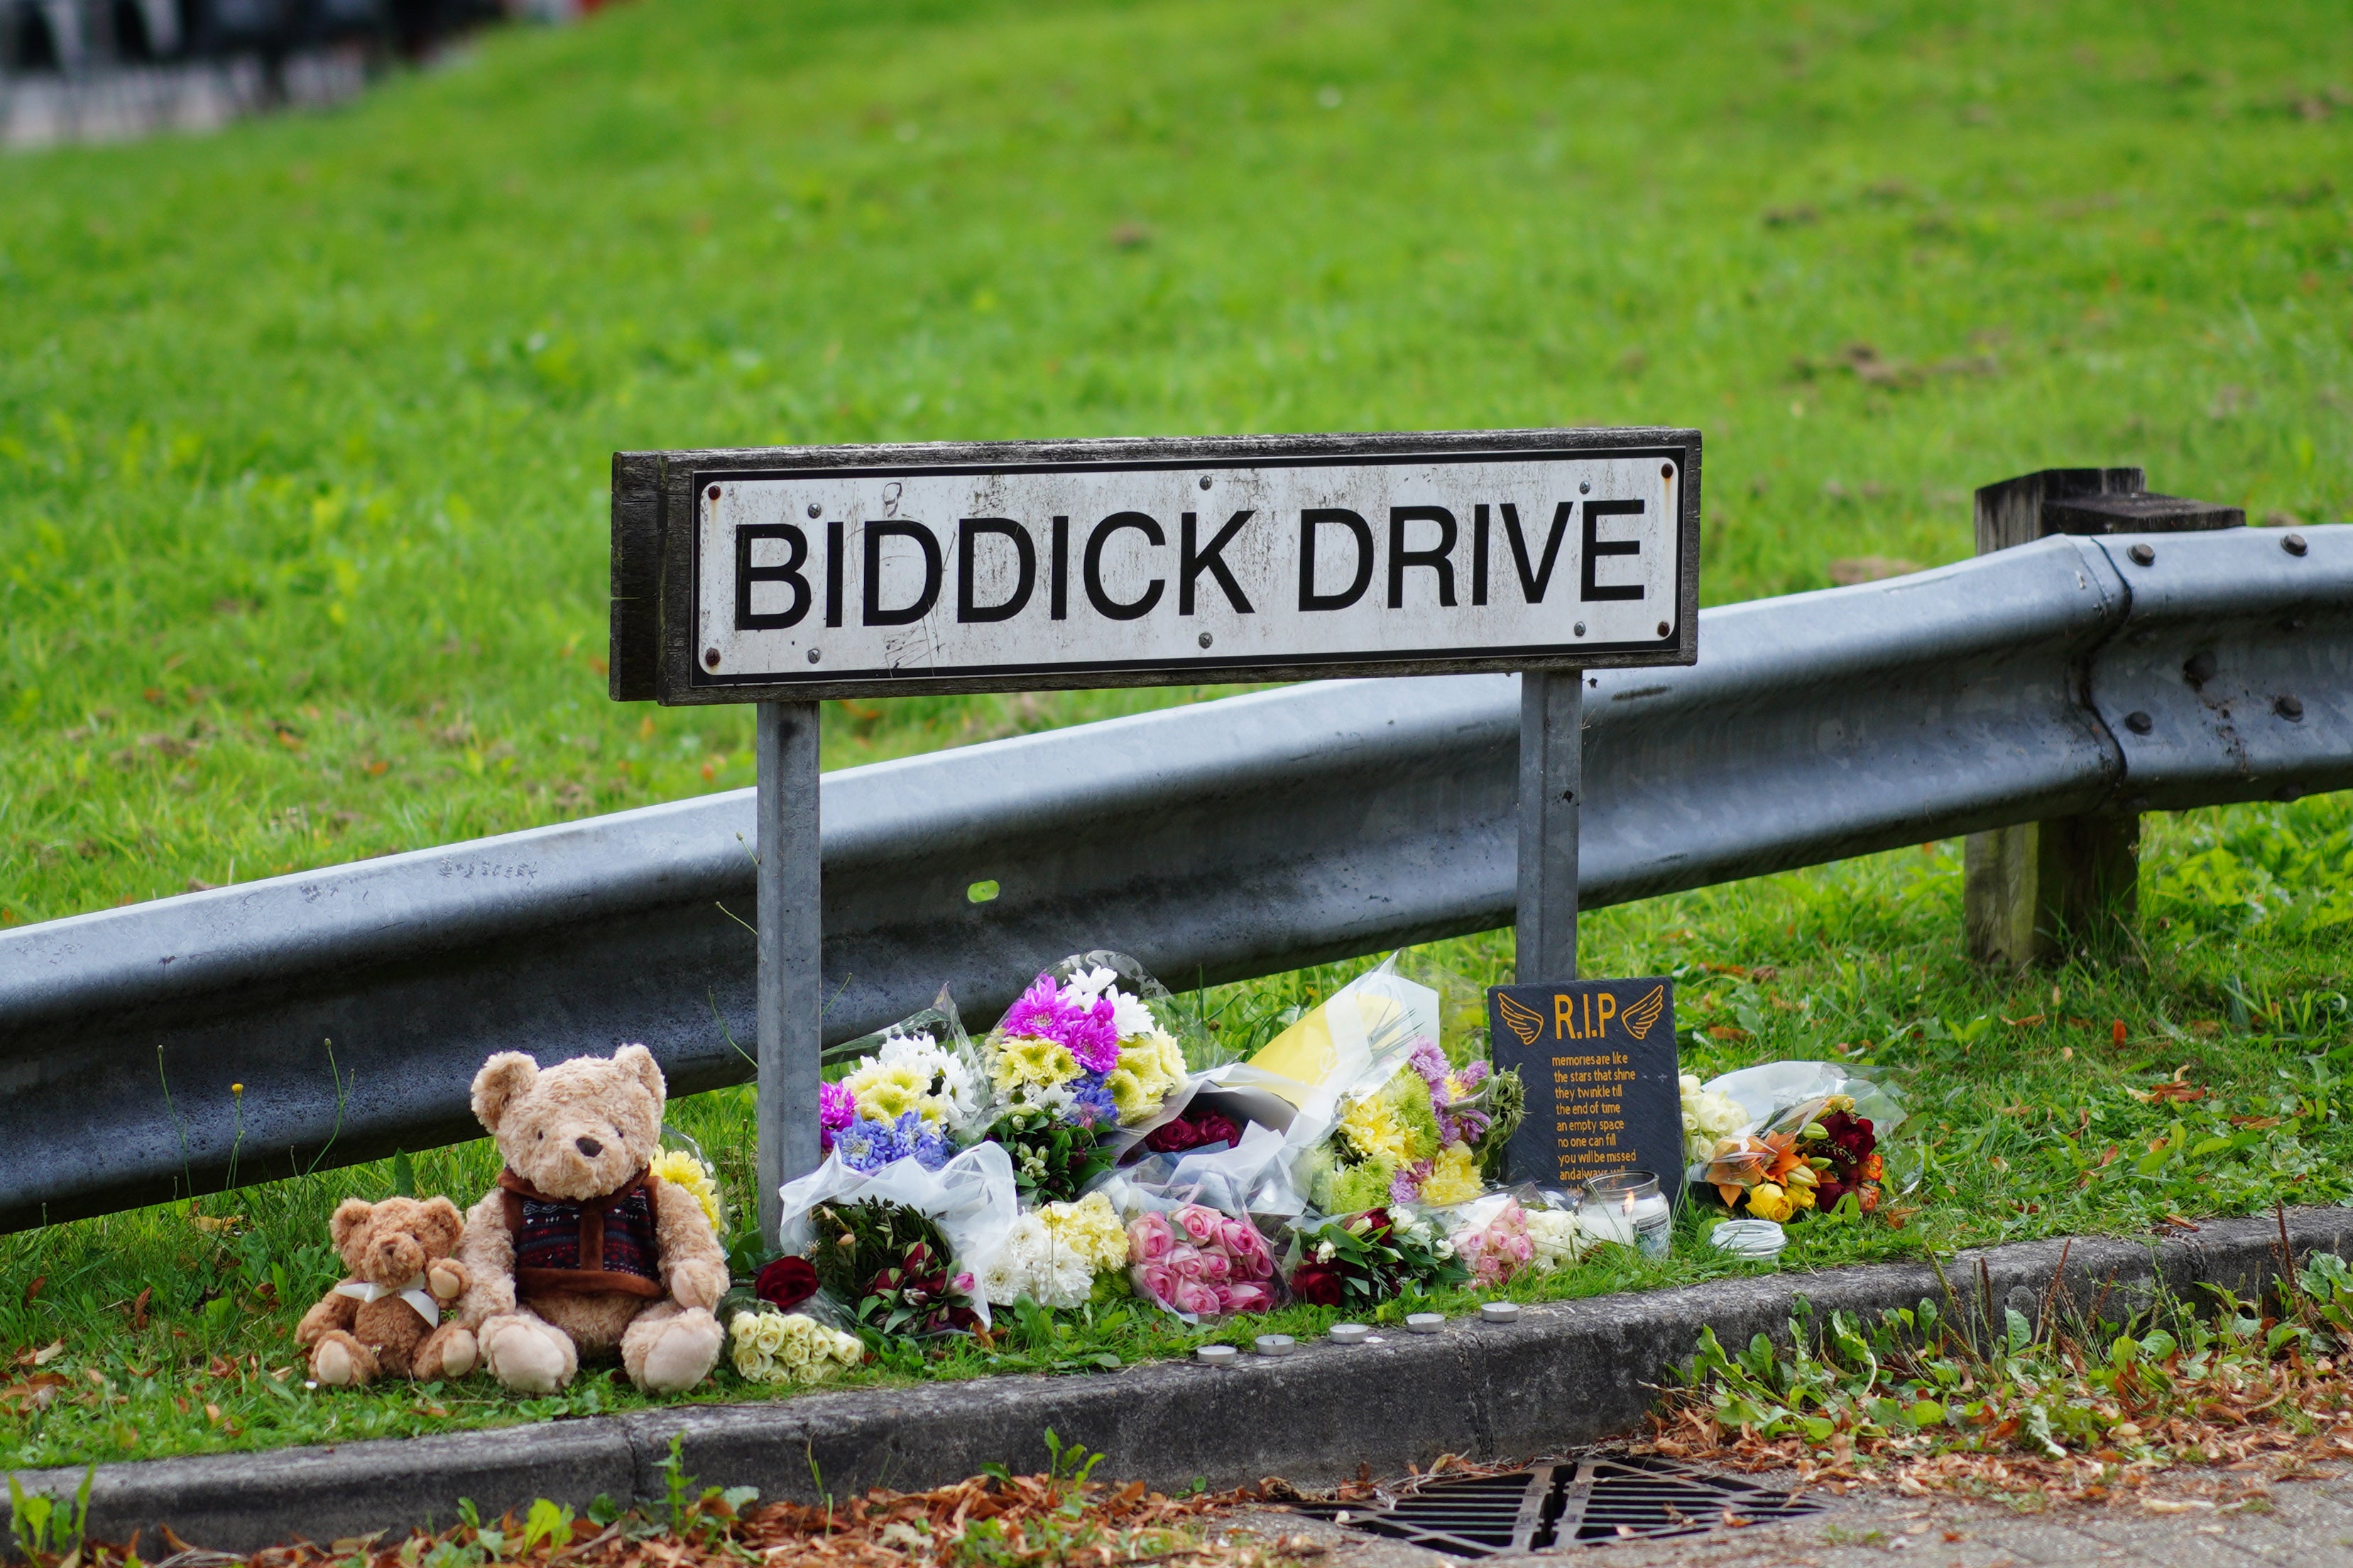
580,1250
388,1317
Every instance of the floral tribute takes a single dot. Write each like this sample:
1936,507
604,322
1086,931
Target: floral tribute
1710,1117
892,1267
1182,1134
1070,1062
1195,1260
1054,1253
911,1097
1420,1137
1811,1156
1372,1256
781,1347
685,1169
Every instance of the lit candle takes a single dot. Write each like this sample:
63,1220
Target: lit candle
1627,1208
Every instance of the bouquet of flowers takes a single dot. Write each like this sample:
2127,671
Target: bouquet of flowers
1372,1256
1417,1136
682,1165
890,1264
1505,1234
1183,1133
1074,1059
1809,1156
915,1093
1053,1254
1195,1261
782,1347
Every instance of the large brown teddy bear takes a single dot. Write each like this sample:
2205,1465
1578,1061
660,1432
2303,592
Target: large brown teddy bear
579,1251
386,1319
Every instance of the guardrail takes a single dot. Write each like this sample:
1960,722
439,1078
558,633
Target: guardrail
1216,842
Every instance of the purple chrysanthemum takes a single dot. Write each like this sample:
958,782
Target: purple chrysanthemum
1405,1188
1089,1032
836,1108
1430,1062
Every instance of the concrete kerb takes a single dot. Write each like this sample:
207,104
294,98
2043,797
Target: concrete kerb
1564,1374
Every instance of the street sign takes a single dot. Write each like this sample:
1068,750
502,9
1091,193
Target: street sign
783,576
797,574
1598,1058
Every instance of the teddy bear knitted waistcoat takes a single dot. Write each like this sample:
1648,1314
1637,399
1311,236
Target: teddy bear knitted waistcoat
565,1245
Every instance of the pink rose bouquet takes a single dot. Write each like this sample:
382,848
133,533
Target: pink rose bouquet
1199,1262
1498,1249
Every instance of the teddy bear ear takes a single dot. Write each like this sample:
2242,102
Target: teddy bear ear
640,1061
443,1225
502,1077
349,1216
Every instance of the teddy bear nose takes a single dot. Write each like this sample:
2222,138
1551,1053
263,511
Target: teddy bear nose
589,1146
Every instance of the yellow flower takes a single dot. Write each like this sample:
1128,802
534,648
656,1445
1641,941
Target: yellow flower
887,1090
1372,1126
1090,1228
1768,1201
1029,1060
681,1169
1128,1092
1453,1177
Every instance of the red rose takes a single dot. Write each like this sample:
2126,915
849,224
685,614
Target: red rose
1178,1135
785,1283
1318,1284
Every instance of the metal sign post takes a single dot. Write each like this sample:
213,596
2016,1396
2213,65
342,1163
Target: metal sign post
786,576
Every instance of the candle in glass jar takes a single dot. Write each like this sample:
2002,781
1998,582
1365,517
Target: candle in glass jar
1627,1208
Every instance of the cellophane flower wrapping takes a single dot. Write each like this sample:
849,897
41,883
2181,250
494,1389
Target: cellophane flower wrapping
1413,1135
1055,1253
1810,1139
1197,1224
1363,1259
959,1216
1080,1056
916,1090
767,1346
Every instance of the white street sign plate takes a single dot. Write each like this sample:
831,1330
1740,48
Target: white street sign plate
1131,563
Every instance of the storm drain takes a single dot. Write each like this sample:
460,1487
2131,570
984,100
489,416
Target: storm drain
1580,1502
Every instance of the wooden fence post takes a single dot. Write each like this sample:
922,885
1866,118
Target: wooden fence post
2033,892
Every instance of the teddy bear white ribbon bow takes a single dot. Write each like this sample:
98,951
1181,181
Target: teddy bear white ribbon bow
412,1292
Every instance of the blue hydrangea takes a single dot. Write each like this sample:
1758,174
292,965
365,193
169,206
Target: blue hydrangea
868,1144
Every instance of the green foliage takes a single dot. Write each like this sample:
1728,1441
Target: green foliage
1052,1161
889,1265
1926,1382
40,1526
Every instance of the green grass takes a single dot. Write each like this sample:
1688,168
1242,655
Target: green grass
304,426
304,432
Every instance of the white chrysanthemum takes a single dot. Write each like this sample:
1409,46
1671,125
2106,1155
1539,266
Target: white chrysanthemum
1129,1017
913,1072
1091,1230
1049,1269
1082,989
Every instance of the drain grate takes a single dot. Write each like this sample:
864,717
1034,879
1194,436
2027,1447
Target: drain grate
1576,1502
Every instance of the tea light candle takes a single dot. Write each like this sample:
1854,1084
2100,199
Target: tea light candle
1424,1322
1350,1334
1627,1208
1276,1344
1499,1311
1217,1355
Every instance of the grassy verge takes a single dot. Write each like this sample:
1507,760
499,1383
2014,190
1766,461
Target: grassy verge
2034,1119
304,427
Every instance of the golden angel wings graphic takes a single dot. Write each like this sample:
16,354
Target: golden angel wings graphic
1639,1018
1524,1022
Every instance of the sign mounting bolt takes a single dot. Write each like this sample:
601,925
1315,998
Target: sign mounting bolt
1664,629
715,492
812,656
1580,628
1585,486
1204,640
711,657
2142,555
1666,470
816,511
2294,544
1204,481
